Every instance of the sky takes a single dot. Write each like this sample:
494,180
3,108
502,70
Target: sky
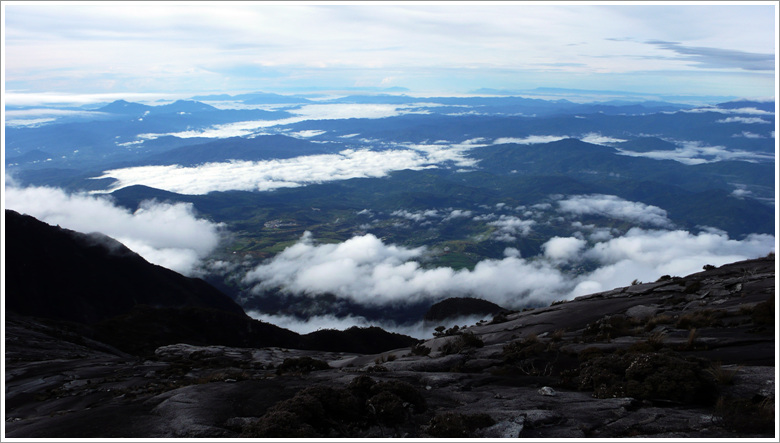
148,49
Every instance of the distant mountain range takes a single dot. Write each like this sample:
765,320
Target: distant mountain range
469,180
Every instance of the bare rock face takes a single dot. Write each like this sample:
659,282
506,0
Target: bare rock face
689,357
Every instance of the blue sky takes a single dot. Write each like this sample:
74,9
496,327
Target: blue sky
105,48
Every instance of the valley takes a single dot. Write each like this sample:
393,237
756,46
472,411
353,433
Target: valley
435,190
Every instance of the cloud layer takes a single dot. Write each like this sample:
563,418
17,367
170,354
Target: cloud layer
614,207
168,235
270,174
334,111
367,271
696,153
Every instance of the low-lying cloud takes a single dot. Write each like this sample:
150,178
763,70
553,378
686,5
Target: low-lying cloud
303,113
367,271
38,116
745,120
168,235
270,174
696,153
529,140
590,137
614,207
648,254
510,227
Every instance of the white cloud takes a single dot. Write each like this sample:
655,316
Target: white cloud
509,227
29,122
591,137
441,153
458,213
38,116
307,133
370,272
746,120
744,111
614,207
530,140
695,153
747,134
169,235
563,248
367,271
741,192
598,139
416,216
336,111
648,254
270,174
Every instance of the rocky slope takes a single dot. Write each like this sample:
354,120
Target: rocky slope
683,357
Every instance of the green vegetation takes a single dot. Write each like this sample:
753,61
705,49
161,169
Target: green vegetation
656,376
455,425
462,342
301,365
323,411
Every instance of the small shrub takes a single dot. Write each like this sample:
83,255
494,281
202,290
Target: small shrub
557,335
636,282
520,350
692,336
653,343
611,326
721,375
499,318
754,416
279,424
420,350
301,365
464,341
709,267
692,287
648,376
388,408
454,425
322,411
700,319
663,278
764,313
404,391
589,353
661,319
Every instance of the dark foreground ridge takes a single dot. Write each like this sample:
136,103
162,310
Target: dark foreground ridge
683,357
93,286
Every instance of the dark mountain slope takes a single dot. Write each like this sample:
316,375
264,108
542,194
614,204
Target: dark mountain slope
93,286
58,273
